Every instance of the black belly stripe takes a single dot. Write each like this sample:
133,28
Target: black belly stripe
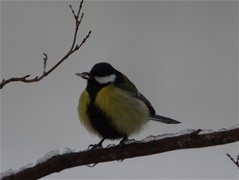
101,123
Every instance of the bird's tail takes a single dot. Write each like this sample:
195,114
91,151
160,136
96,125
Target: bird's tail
163,119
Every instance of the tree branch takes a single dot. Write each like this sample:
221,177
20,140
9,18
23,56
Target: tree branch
234,161
149,146
74,47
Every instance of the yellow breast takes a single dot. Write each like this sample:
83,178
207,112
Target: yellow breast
128,114
82,112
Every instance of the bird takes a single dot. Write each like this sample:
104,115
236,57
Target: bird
112,107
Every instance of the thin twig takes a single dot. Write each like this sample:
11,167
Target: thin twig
235,162
45,62
73,48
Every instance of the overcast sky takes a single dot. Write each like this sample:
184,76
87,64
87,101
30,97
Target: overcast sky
182,55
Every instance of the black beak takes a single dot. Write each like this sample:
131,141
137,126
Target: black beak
85,75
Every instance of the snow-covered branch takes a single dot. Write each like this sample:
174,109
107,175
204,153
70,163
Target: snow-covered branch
186,139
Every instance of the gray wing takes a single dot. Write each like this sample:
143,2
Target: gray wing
154,116
130,87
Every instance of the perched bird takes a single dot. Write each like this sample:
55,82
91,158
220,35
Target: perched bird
112,107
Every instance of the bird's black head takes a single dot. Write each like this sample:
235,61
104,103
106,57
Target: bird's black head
102,74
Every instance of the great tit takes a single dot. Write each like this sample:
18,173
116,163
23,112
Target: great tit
112,107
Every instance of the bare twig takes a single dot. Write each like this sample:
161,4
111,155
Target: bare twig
74,47
44,64
235,162
77,22
135,149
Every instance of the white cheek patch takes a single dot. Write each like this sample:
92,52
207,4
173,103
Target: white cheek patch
106,79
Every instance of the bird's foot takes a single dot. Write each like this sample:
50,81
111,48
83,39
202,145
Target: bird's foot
96,146
126,141
122,142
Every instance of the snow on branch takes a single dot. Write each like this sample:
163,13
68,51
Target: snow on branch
186,139
74,47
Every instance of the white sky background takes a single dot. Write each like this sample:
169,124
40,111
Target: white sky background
183,56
